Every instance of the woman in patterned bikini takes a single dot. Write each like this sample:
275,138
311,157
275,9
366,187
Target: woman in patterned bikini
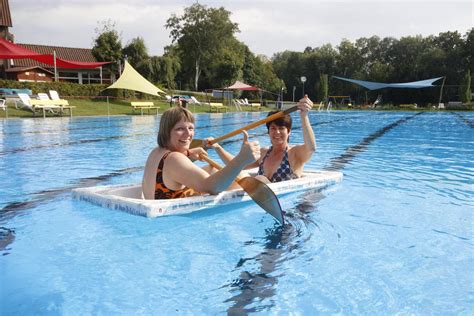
169,171
281,161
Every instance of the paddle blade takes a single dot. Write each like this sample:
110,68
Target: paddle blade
263,196
195,143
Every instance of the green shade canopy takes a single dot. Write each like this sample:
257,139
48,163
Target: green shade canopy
132,80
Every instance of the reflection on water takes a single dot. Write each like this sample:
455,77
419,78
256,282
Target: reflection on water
338,163
279,242
402,211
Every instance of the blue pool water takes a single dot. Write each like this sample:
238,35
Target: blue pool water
395,237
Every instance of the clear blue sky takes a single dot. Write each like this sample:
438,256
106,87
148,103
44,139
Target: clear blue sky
265,26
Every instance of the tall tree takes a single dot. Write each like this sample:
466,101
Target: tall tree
136,53
227,65
322,88
166,67
465,93
290,66
200,32
107,44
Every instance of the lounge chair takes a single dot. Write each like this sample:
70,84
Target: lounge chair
54,95
195,101
3,106
321,105
43,96
329,108
35,105
64,104
237,104
378,101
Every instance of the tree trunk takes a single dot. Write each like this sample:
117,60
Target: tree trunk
196,77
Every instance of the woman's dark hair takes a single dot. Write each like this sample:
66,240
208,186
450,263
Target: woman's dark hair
282,121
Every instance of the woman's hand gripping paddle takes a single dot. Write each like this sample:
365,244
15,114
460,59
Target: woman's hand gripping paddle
199,142
258,191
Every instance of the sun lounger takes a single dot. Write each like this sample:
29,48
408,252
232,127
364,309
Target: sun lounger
245,102
237,104
3,106
195,101
43,96
36,105
144,105
64,104
321,105
329,108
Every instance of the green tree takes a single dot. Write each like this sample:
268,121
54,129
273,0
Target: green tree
318,61
349,59
165,68
201,33
107,44
227,65
136,53
322,88
290,66
465,93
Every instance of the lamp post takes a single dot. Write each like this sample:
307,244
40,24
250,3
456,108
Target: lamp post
303,80
294,89
281,97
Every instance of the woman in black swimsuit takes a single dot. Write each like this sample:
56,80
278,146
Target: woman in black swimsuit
282,161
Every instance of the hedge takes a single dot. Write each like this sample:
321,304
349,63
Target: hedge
69,89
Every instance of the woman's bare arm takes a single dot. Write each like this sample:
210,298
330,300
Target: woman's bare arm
182,171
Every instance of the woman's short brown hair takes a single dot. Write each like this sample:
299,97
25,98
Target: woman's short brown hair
168,120
282,121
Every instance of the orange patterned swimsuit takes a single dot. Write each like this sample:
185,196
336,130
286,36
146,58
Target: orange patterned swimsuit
162,192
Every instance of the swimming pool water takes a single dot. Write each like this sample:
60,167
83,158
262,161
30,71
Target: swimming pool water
395,237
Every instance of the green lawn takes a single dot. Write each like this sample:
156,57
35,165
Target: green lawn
90,107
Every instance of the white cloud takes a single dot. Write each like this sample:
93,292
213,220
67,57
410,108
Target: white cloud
267,26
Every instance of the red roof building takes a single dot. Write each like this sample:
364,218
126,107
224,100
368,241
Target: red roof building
83,76
31,70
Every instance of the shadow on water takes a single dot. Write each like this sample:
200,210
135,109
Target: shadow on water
279,243
466,120
253,287
7,236
338,163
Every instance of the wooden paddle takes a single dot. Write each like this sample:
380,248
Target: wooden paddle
199,142
257,190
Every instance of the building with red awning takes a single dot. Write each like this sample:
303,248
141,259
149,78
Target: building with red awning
28,62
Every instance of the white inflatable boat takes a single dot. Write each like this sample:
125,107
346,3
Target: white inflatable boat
128,197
